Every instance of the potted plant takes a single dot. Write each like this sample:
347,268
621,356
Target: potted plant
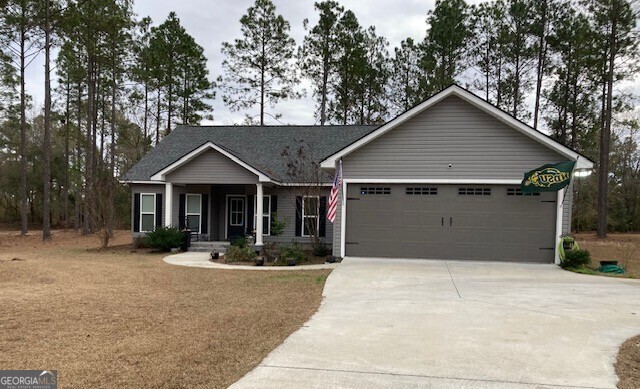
215,255
259,261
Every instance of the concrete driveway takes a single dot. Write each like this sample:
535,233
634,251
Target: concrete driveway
437,324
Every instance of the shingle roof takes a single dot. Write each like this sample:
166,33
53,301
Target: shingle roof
258,146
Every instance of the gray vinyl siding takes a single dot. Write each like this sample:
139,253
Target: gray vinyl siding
476,144
211,167
175,205
287,209
142,188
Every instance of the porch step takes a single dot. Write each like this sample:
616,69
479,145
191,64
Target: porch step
207,247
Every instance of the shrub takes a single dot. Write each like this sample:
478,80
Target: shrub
140,242
165,238
576,258
239,254
321,250
278,224
292,251
240,241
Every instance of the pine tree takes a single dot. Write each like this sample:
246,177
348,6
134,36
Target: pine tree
258,67
445,44
373,97
351,67
404,77
485,52
615,25
318,54
21,44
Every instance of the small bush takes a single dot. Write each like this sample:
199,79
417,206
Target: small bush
240,241
140,242
240,254
292,251
165,238
278,224
321,250
576,258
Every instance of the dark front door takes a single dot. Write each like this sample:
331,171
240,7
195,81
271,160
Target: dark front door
236,216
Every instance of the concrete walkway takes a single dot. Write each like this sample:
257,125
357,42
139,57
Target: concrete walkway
195,259
436,324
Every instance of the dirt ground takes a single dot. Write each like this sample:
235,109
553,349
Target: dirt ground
117,318
624,248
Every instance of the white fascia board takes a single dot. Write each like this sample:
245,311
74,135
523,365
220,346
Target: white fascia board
141,182
160,176
582,162
473,181
302,183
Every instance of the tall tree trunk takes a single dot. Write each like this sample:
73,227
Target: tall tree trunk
158,112
23,126
323,92
65,189
88,179
146,114
112,151
605,134
46,201
542,56
77,190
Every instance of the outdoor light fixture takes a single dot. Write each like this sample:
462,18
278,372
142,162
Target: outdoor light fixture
583,173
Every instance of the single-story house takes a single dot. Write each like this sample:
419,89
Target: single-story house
440,181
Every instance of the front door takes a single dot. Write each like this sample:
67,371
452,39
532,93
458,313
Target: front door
236,216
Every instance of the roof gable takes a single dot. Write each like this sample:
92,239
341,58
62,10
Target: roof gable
259,147
470,98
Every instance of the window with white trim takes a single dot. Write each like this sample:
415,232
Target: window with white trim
310,212
266,213
147,212
193,212
237,211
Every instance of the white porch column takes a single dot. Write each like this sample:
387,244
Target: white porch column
259,211
168,204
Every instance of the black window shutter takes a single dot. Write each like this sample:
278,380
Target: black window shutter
274,203
182,203
159,205
298,215
250,213
322,226
136,212
205,214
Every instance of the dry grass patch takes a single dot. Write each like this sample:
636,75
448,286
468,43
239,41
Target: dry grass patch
624,248
628,364
126,319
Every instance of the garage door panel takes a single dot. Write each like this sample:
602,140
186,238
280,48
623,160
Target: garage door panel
449,222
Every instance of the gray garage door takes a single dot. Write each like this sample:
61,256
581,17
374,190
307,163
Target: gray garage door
450,222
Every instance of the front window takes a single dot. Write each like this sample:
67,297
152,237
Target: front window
237,212
310,212
266,214
147,212
194,212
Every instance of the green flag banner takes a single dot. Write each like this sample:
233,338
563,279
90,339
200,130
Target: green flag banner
548,178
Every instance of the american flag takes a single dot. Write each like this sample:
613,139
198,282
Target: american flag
333,198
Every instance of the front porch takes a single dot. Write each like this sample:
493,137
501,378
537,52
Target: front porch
221,212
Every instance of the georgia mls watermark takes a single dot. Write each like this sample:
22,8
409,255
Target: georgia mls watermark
28,379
